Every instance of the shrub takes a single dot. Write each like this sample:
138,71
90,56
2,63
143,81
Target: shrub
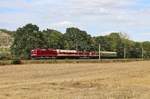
5,56
16,61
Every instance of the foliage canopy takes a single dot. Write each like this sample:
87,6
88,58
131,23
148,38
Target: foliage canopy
29,37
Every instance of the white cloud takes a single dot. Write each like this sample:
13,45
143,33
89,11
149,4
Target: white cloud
63,24
13,4
93,15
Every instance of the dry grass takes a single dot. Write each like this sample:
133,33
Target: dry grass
76,81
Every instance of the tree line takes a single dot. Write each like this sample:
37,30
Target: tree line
29,37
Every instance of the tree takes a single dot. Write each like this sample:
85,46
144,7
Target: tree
29,37
146,47
54,39
104,42
75,38
26,39
115,40
135,51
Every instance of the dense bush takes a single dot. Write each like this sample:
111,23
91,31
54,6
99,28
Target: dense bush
16,61
5,56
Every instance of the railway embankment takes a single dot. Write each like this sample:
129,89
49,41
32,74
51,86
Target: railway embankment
59,61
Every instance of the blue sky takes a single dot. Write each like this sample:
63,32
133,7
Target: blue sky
97,17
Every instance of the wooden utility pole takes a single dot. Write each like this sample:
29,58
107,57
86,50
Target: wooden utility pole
142,49
124,52
99,51
142,52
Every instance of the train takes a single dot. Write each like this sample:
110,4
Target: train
61,54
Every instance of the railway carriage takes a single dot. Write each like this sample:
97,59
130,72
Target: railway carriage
59,53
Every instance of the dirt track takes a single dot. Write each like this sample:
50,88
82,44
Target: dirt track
76,81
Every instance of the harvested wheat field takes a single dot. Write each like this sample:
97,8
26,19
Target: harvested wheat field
76,81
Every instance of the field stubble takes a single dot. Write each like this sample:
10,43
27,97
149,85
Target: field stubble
76,81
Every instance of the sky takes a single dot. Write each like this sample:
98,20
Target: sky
97,17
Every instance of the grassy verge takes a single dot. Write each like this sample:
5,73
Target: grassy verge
80,61
5,62
58,61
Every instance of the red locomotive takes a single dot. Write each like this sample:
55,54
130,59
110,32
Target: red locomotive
58,53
